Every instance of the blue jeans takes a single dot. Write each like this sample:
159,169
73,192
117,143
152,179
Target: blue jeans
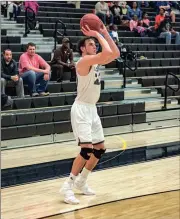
169,35
35,81
104,17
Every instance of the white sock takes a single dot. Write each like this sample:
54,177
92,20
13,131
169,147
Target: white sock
85,172
71,178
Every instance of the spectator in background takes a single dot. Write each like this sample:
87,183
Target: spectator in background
135,11
113,33
17,8
159,18
166,31
136,26
125,14
145,20
166,6
34,71
76,3
125,11
146,23
60,63
143,4
34,6
103,12
120,3
116,11
9,74
10,9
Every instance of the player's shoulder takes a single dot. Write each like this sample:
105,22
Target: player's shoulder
83,60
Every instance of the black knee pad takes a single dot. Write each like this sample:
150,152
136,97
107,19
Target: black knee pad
98,153
85,153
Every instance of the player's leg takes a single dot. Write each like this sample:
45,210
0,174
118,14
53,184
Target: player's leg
81,126
98,151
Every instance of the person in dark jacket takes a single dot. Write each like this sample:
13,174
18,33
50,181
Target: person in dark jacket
9,74
63,61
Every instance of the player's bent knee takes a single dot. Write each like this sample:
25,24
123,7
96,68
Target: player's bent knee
98,153
86,153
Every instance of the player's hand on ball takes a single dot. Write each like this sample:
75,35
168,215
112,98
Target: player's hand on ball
88,32
103,30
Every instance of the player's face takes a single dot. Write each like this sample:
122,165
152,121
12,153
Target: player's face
90,47
8,55
31,50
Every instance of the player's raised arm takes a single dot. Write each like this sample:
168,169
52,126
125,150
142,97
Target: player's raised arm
112,45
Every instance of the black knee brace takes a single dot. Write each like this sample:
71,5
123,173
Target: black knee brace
98,153
85,153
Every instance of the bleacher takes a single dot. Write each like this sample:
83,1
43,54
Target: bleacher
118,107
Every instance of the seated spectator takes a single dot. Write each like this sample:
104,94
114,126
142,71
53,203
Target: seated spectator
159,18
144,4
166,6
137,27
17,8
60,61
125,11
9,74
145,20
116,11
113,33
166,31
121,3
103,12
135,11
34,71
6,102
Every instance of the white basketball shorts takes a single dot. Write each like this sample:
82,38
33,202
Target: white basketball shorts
86,124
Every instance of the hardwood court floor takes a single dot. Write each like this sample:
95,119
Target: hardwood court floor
37,200
46,153
157,206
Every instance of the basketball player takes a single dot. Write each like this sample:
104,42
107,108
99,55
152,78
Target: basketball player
85,121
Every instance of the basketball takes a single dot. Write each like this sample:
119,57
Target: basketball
92,21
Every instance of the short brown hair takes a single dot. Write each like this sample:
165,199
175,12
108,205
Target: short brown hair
30,44
6,50
81,43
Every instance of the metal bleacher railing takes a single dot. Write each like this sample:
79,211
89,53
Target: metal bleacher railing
56,32
123,64
168,86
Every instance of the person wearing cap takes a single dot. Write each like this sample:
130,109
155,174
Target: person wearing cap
63,61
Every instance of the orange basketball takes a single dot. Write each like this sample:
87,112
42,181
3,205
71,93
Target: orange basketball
92,21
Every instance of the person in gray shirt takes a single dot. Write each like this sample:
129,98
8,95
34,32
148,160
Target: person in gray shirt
103,12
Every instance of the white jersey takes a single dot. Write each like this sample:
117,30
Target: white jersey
89,86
